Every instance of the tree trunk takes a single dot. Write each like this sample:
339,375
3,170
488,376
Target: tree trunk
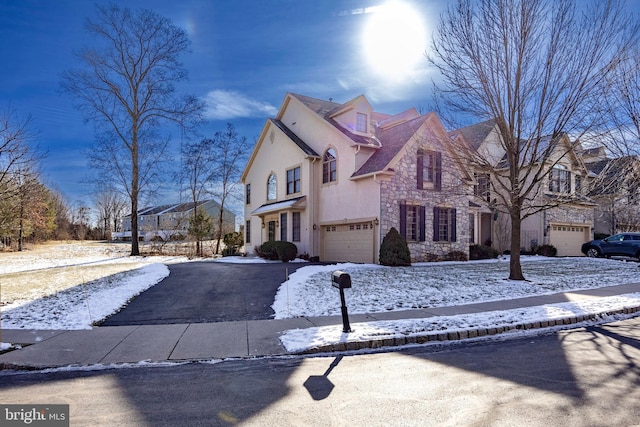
220,221
515,268
135,249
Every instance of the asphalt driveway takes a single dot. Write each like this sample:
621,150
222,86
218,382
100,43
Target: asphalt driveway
205,292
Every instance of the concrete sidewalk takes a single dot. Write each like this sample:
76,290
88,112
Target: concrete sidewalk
199,341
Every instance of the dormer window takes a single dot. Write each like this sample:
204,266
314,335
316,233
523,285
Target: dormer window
361,122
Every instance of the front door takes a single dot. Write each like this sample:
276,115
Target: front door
271,227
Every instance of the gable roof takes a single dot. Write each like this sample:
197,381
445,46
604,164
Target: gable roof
476,134
614,174
392,140
174,208
327,109
292,136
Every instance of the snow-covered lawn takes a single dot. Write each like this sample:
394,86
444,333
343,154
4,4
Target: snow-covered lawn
72,285
377,288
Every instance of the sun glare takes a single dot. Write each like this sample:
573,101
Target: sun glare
394,40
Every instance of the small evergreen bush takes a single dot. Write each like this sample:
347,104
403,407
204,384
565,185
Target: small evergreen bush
267,250
456,256
232,241
482,252
286,251
277,250
547,250
394,250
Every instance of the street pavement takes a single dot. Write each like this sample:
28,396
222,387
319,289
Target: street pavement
179,342
585,376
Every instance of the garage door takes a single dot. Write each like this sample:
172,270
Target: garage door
568,239
348,242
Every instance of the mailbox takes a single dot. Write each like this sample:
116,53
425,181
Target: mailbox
340,279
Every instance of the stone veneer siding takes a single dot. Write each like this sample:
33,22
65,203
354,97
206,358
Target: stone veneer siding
569,215
402,187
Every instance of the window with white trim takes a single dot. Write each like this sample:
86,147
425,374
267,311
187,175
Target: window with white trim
329,167
361,122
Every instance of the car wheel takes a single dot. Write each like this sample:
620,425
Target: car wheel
593,253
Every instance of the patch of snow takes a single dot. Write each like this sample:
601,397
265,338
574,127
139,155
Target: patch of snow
81,306
297,340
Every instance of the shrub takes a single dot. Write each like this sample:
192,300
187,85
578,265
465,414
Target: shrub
394,250
277,250
547,250
267,250
229,251
286,251
456,256
482,252
232,241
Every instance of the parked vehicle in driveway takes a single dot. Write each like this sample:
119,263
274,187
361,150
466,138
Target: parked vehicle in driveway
623,244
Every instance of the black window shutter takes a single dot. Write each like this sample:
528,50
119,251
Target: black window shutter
403,220
438,172
453,225
436,219
422,222
420,171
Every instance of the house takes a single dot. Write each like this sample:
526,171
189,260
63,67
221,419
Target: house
172,221
616,189
334,178
560,212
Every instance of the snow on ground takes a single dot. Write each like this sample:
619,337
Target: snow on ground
72,286
297,340
377,289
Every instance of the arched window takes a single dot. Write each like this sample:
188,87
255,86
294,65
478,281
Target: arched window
272,187
329,173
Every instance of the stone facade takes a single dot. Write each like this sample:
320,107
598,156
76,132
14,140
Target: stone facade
402,188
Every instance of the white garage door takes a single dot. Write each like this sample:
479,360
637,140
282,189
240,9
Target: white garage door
348,242
568,239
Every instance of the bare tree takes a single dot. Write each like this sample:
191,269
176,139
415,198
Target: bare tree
198,171
111,205
127,90
232,151
535,67
622,103
17,151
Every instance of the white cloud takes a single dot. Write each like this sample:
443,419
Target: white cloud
227,104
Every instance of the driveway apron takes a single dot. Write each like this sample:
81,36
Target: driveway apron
204,292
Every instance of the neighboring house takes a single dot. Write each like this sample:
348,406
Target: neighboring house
334,178
566,223
168,221
616,189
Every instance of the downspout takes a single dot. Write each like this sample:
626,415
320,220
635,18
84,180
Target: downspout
314,193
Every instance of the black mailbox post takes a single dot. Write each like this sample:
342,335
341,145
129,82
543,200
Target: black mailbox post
342,281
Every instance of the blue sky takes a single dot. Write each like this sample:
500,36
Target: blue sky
246,54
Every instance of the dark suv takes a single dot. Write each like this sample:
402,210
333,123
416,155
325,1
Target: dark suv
623,244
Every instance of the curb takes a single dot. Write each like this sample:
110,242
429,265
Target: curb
463,334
